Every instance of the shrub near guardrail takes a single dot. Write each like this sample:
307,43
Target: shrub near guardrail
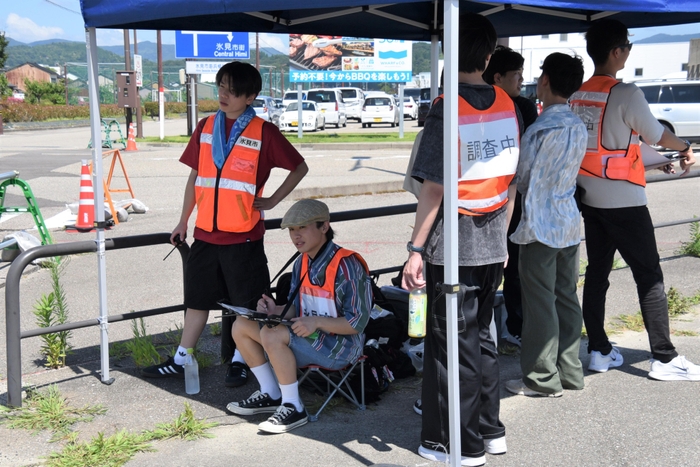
206,106
24,112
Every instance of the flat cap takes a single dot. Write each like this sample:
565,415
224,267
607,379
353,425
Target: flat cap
305,212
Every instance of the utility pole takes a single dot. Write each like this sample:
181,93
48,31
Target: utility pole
139,121
257,51
127,66
65,81
161,90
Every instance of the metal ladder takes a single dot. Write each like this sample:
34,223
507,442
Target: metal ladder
12,178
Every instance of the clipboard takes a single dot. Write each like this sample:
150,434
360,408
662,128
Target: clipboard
270,320
653,159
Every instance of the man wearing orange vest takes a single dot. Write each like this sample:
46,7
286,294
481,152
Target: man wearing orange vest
330,302
613,202
489,129
230,156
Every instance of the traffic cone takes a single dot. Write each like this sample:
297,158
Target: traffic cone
131,140
86,209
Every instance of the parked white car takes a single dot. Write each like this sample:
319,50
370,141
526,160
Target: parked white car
291,96
380,109
676,104
354,100
312,118
410,108
330,102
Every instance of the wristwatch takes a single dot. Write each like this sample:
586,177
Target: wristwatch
687,145
417,249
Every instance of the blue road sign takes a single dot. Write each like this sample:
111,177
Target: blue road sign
209,44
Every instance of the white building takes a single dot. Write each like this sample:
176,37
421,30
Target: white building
647,61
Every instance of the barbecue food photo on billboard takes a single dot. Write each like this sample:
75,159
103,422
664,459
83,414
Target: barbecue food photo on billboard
339,59
310,52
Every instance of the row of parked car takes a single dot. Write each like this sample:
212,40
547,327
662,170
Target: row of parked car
335,106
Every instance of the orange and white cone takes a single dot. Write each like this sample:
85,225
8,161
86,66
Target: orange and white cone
131,140
86,208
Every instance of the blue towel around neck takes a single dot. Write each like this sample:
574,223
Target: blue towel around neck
220,147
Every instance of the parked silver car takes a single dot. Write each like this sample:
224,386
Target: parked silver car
266,108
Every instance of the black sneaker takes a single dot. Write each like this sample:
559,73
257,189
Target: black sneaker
165,369
285,419
237,374
256,403
418,407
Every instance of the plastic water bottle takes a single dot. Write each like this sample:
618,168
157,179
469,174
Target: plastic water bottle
417,309
191,373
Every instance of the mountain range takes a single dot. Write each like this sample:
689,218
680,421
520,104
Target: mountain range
147,49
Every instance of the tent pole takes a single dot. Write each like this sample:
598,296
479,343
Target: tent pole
300,100
95,128
399,104
451,13
434,66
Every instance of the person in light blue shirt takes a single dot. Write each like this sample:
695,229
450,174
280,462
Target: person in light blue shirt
549,235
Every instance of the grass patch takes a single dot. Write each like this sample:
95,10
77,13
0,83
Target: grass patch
215,329
684,332
185,426
141,347
679,304
632,322
692,248
112,451
48,410
52,310
118,350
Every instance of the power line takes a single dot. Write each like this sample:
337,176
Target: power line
63,7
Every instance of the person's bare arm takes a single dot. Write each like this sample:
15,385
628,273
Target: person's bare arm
429,202
292,180
188,204
671,141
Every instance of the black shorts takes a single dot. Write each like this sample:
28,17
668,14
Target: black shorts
237,273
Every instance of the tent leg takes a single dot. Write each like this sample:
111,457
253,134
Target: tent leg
91,42
451,155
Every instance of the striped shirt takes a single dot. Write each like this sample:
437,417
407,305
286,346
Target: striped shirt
353,300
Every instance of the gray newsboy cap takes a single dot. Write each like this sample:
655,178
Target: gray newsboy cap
305,212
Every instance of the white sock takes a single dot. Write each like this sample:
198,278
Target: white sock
237,357
180,356
290,395
266,378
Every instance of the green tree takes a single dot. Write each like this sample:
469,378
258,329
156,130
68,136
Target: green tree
3,49
107,94
5,90
38,92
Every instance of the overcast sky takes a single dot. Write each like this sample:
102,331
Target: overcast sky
36,20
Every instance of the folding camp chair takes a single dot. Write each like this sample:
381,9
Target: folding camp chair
335,381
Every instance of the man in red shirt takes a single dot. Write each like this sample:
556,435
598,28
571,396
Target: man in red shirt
230,155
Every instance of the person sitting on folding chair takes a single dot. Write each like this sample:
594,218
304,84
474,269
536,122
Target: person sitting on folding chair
327,327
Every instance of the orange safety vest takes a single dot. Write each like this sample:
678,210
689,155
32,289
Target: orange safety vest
225,197
319,300
489,149
589,103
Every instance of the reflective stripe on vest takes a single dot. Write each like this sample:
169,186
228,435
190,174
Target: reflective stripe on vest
489,149
319,300
232,190
589,103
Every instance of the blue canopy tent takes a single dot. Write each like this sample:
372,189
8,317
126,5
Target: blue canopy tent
401,19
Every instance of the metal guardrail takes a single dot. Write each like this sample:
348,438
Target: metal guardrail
12,302
14,334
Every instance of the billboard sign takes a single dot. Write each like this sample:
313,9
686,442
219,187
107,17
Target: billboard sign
210,44
197,68
343,59
138,68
